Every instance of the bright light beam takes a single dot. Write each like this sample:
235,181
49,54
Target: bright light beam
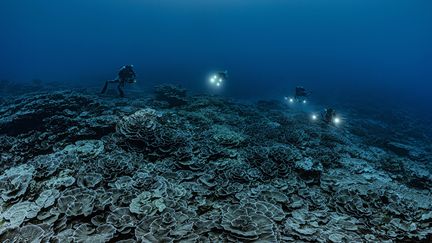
216,80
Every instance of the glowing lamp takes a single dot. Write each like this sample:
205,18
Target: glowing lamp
216,80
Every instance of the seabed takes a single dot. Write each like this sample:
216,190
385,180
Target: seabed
80,167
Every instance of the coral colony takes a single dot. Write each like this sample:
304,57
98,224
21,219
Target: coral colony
77,167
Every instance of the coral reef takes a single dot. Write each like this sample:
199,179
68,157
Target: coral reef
171,95
76,167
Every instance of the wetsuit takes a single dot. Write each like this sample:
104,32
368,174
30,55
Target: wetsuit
300,92
329,115
126,74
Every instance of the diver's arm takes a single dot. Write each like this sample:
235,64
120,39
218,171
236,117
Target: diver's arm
113,81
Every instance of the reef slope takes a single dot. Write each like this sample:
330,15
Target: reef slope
77,167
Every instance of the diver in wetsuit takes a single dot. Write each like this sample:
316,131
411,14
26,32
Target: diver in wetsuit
329,115
300,93
223,75
125,75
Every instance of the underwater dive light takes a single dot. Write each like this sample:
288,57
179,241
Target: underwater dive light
336,120
289,99
216,80
213,79
314,117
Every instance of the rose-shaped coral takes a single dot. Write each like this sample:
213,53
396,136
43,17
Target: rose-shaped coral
245,223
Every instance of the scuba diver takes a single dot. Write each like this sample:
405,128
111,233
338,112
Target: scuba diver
329,115
223,75
125,75
300,93
219,77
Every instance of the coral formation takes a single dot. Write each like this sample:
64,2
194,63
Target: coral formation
80,168
170,94
15,181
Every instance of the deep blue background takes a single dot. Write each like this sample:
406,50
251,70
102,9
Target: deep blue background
340,48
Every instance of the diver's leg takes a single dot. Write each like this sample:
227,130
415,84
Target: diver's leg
104,88
120,89
106,85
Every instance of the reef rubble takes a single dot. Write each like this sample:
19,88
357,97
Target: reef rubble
78,167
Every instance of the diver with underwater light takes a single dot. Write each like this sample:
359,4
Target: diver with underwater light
300,95
329,116
125,75
218,78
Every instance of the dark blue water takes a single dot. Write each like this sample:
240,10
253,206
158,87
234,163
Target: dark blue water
339,49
